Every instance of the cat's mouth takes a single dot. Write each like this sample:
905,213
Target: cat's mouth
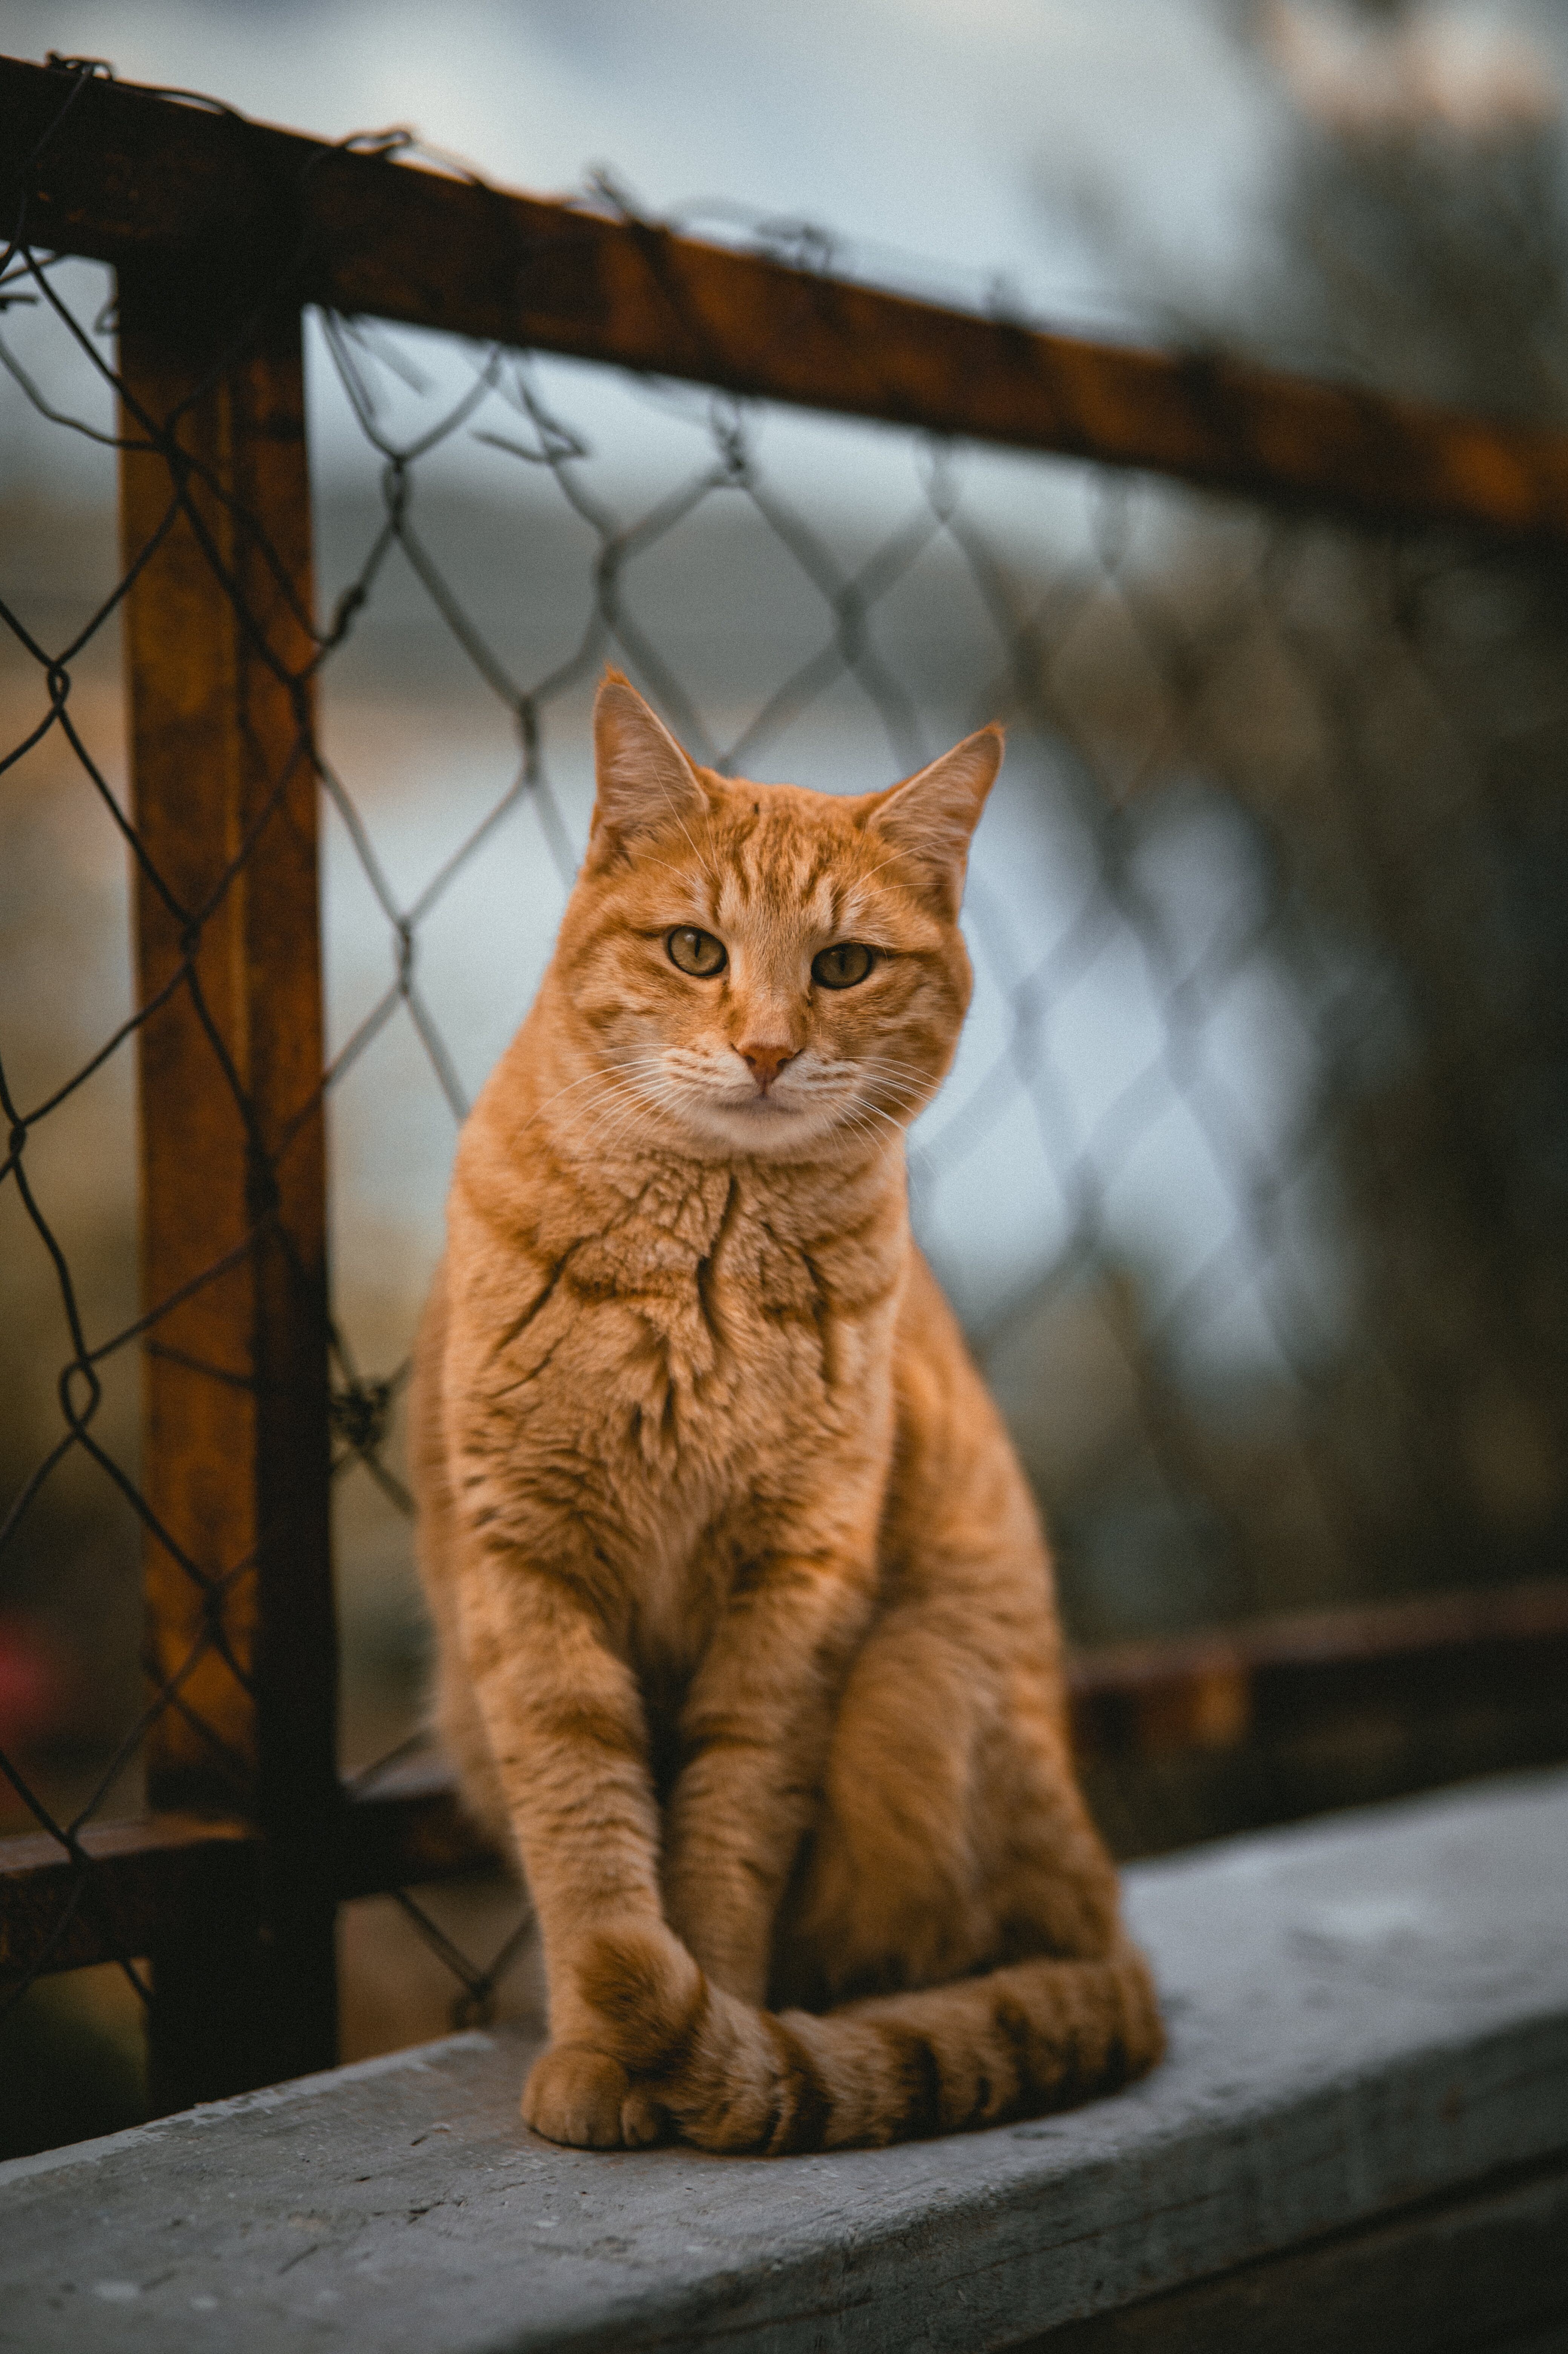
778,1098
799,1103
765,1119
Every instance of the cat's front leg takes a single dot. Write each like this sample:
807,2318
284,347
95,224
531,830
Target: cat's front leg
565,1722
754,1735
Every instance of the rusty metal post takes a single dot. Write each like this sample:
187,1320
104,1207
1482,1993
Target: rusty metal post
238,1567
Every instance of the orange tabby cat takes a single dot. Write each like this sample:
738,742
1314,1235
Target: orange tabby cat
747,1637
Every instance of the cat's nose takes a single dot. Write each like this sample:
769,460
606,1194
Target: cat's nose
765,1062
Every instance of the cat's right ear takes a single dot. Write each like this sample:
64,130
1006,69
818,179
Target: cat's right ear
644,780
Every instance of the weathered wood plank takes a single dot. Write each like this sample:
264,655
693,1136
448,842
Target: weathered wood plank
126,173
240,1631
1456,2277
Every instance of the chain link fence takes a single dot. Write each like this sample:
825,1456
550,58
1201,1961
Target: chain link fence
1249,1181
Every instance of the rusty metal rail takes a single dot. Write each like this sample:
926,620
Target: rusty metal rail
128,175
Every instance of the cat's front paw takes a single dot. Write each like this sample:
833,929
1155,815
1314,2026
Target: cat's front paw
586,2099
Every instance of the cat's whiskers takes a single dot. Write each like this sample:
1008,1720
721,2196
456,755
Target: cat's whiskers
897,1091
836,1091
882,1072
621,1094
586,1080
876,1142
580,1139
619,1136
892,1063
712,1094
615,1128
701,1087
633,1077
585,1135
862,1116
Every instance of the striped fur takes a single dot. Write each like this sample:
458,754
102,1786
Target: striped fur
983,2051
746,1637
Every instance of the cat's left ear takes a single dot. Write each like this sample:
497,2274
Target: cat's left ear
644,779
932,815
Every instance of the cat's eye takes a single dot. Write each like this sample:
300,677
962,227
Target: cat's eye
696,952
843,965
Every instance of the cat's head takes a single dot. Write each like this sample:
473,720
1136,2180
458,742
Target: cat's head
761,969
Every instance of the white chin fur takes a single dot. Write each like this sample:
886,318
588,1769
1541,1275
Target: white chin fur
763,1124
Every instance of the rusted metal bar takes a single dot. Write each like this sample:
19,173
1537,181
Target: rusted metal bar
126,173
410,1832
1296,1717
1283,1675
60,1912
214,503
130,1878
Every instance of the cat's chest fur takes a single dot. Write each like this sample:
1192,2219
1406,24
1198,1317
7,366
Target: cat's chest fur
695,1325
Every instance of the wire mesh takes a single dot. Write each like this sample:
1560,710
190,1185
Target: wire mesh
1249,1179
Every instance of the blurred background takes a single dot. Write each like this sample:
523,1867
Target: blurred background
1250,1181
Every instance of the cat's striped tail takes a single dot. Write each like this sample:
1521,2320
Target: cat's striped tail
1031,2036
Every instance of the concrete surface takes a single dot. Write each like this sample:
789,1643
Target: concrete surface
1366,2013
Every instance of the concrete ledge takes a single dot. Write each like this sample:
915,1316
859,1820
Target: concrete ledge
1369,2063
